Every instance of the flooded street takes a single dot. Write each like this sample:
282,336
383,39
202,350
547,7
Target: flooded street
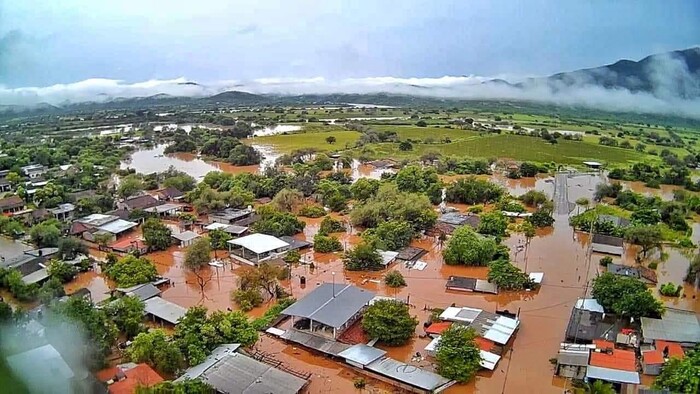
558,251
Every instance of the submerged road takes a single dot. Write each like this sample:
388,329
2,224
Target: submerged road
561,193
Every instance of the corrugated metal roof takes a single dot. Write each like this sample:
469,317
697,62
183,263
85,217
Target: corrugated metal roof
362,354
409,374
216,355
259,243
164,310
607,249
117,226
186,236
589,304
485,286
320,305
50,370
145,292
675,325
488,360
612,375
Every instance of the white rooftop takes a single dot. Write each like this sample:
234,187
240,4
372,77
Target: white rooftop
186,236
387,256
463,314
589,304
216,226
536,277
118,226
259,243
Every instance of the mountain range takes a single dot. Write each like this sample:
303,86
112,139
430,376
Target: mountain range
661,83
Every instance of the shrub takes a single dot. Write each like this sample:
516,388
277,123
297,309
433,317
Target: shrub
476,209
247,299
312,211
326,244
605,261
653,265
330,225
670,290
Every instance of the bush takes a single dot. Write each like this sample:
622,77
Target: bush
359,383
390,235
363,257
469,248
394,279
247,299
476,209
605,261
326,244
330,225
507,276
389,321
312,211
653,265
671,290
131,271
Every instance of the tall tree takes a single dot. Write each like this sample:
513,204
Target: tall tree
389,321
157,350
197,260
156,234
457,355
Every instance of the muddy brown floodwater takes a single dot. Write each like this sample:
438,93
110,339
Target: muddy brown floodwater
559,252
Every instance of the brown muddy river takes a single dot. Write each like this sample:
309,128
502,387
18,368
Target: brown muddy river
559,252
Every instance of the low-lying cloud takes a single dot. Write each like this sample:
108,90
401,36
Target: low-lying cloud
670,89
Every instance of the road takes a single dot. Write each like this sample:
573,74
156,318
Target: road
561,194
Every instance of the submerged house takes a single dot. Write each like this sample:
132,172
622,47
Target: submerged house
229,371
588,322
461,283
257,248
607,244
97,223
329,309
12,204
675,325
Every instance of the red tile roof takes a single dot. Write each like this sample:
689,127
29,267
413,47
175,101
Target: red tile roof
484,344
674,349
624,360
653,357
438,328
141,375
126,243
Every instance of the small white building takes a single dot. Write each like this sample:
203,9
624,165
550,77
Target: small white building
186,238
257,248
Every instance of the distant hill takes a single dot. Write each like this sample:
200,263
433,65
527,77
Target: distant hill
671,74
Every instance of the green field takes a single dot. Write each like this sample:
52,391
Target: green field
290,142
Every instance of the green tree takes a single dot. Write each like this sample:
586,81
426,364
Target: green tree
410,179
363,257
131,271
187,386
681,376
288,200
364,188
278,224
127,314
330,225
493,223
52,288
60,270
46,234
469,248
457,355
330,139
101,332
6,312
197,258
390,322
394,279
625,296
472,191
156,234
198,334
390,235
326,243
541,218
599,387
129,186
507,276
70,247
648,237
219,239
405,146
182,182
157,350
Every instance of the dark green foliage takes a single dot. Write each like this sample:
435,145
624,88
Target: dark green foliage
507,276
625,296
130,271
187,386
157,350
247,299
391,204
70,247
219,238
534,198
681,376
363,257
493,223
271,314
221,327
394,279
469,248
60,270
312,211
46,234
276,223
156,234
457,355
52,288
127,314
473,191
604,261
326,243
364,188
330,225
390,235
648,237
541,218
390,322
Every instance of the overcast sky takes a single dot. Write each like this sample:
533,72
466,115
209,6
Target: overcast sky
49,42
